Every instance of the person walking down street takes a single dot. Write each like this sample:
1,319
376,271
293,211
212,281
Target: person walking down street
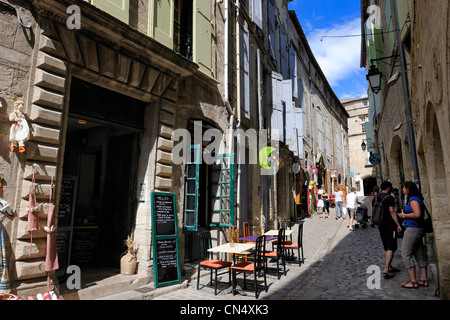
320,205
376,190
338,200
352,201
412,245
326,204
387,229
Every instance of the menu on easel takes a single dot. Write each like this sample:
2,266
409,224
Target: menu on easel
166,258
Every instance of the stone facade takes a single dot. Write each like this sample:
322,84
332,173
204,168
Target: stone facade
360,167
50,62
426,52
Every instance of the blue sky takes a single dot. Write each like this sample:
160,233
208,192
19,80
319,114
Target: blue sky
339,58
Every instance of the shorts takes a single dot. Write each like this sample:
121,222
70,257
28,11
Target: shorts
388,238
351,213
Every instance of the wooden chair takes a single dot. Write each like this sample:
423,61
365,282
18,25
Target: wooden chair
207,261
299,244
278,254
255,266
246,231
233,236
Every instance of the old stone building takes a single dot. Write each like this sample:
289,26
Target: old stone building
112,89
410,112
363,174
324,130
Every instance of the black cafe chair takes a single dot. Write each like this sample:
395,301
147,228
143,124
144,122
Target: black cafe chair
207,261
255,266
278,254
283,224
299,244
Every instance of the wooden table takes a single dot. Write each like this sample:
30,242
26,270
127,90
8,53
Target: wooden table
237,248
275,232
254,238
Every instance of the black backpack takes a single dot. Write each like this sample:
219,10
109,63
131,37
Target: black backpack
377,211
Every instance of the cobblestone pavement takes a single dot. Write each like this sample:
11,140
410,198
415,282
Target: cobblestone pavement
336,268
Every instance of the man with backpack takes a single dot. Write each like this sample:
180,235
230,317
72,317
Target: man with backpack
385,217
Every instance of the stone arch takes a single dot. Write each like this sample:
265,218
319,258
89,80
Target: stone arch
396,173
435,153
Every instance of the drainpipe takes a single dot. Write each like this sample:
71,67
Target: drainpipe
408,111
264,191
238,107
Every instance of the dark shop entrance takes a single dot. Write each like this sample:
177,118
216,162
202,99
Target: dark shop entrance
98,195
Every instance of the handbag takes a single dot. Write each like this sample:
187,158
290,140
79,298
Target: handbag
427,223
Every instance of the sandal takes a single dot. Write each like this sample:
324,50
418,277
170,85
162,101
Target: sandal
423,283
410,284
392,269
388,275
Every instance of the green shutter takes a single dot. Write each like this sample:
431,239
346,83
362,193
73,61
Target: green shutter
403,18
117,8
160,21
191,187
202,35
223,199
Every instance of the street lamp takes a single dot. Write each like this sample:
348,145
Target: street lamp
400,125
363,146
374,78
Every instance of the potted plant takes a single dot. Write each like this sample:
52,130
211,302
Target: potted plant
128,262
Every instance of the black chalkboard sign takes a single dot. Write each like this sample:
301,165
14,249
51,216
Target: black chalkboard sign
164,214
66,202
84,245
166,257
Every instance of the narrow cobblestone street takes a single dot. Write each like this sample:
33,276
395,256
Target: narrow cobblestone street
336,268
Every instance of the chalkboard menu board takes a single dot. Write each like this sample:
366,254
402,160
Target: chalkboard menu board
166,258
66,202
164,214
84,244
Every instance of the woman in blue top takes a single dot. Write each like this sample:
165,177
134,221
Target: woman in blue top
412,245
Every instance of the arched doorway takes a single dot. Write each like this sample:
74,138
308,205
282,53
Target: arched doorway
436,158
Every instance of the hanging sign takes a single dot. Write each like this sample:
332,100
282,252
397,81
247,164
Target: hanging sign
375,159
166,257
314,170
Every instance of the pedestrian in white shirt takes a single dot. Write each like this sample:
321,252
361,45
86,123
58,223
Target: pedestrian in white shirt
338,194
352,200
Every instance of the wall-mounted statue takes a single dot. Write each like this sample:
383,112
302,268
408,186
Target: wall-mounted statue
20,131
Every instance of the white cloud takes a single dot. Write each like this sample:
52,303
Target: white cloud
339,57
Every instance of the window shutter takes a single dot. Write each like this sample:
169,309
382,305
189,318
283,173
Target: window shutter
260,85
161,21
245,70
299,127
223,191
328,135
191,187
276,117
257,13
293,71
289,114
117,8
283,54
202,35
272,28
320,129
